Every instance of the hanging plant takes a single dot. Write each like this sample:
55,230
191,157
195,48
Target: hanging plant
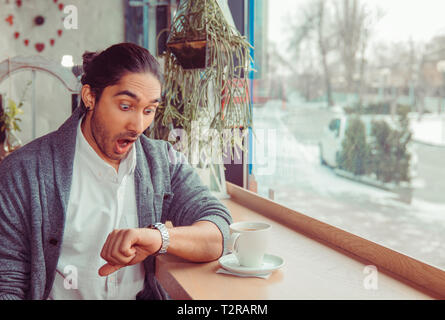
206,88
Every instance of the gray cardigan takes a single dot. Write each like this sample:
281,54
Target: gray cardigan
35,184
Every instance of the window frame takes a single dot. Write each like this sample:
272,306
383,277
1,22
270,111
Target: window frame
403,267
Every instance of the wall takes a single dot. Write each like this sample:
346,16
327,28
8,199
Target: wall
100,24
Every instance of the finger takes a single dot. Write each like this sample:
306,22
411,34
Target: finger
112,254
108,269
127,244
121,250
105,247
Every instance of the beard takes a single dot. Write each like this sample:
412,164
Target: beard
104,139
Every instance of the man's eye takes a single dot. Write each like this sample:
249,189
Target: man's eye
149,111
125,107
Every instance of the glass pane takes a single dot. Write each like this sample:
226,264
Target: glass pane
349,114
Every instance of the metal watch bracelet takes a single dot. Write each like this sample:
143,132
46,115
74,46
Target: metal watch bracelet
164,234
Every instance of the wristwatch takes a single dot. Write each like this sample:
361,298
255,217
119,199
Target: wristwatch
164,234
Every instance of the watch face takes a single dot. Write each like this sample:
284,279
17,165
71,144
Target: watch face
34,24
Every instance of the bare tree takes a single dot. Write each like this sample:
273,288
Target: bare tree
370,20
340,31
353,30
404,61
312,30
324,48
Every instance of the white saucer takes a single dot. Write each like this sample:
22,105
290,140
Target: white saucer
270,263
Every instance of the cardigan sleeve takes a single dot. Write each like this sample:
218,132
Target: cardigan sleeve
193,201
14,251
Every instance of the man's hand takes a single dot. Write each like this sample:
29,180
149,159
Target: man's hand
200,242
127,247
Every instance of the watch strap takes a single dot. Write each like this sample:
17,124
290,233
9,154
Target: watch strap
164,235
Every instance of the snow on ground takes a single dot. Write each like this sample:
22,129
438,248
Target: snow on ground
300,162
429,129
292,169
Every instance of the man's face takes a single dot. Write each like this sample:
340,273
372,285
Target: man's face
123,112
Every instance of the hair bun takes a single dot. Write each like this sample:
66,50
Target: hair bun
87,58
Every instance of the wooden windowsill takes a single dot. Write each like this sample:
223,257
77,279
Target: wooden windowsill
322,262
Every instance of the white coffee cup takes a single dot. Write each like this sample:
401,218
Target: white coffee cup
249,242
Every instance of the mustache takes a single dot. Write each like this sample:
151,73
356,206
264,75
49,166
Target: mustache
128,136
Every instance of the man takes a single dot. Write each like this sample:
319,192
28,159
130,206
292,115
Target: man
82,209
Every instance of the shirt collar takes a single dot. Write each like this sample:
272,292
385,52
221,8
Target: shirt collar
98,166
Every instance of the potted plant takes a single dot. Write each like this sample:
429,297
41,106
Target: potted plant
9,123
206,87
187,40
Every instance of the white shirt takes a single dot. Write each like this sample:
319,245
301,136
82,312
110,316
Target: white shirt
100,201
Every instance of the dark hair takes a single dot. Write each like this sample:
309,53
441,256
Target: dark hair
2,132
106,68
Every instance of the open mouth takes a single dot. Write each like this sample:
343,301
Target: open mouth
123,145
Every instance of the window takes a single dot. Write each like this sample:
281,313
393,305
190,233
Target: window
349,114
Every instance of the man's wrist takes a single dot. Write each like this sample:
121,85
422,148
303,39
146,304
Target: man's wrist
165,237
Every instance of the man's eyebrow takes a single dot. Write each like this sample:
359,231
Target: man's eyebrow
127,93
134,96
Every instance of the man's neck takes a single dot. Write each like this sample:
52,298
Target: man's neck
86,131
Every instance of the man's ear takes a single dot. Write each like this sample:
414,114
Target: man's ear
88,97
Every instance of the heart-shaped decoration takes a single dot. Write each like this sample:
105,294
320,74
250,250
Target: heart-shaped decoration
59,32
52,41
60,6
26,42
16,35
55,1
10,19
40,47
